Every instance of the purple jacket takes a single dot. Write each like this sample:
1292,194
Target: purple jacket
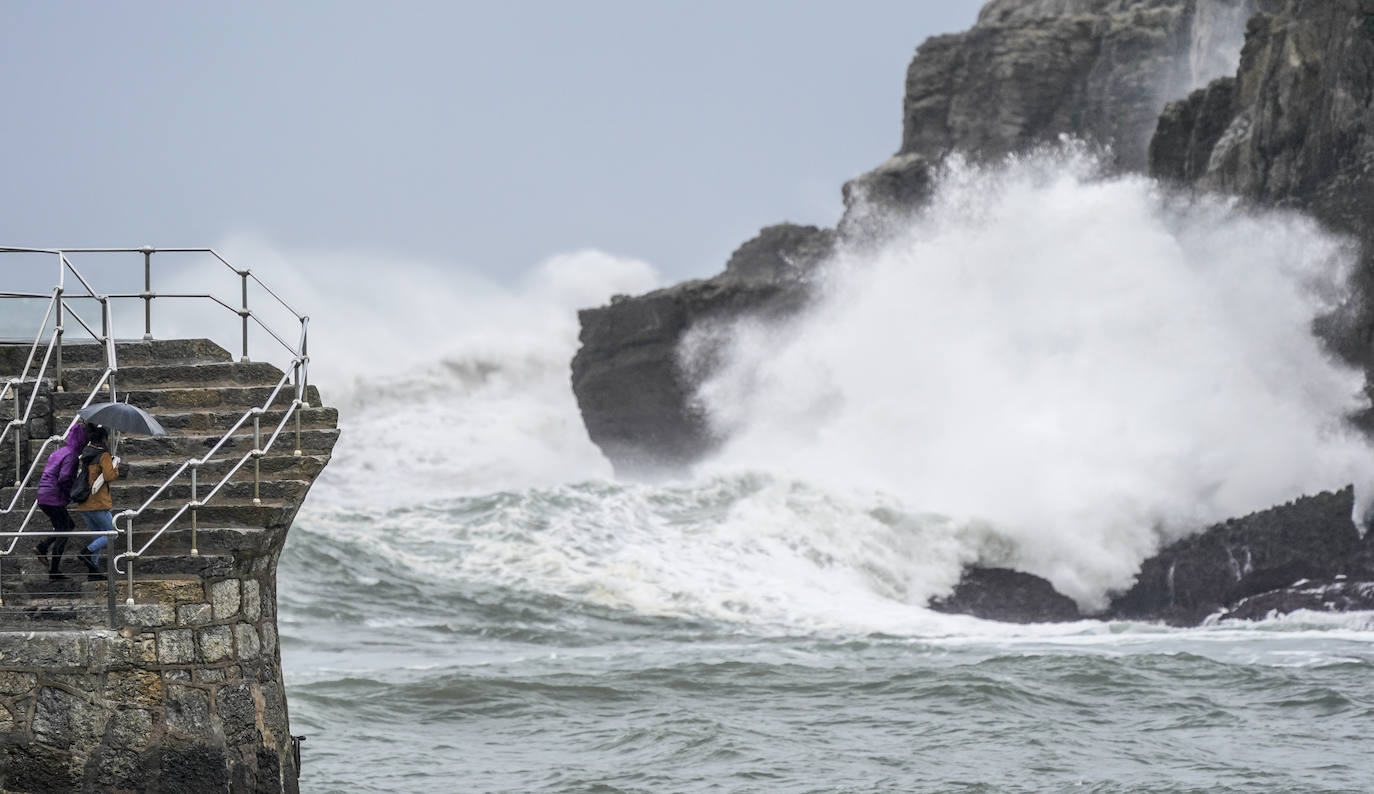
55,486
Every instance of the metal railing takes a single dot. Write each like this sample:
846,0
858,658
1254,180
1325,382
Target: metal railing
297,376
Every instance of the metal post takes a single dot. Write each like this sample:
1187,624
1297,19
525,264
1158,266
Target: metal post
147,292
110,579
18,425
305,359
129,563
257,456
299,405
58,327
244,313
106,340
195,504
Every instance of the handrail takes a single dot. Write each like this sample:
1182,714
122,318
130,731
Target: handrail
197,462
298,370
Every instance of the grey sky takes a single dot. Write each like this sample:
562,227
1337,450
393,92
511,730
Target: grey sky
485,136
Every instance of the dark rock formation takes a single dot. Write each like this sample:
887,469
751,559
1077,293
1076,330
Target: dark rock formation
1313,537
1303,555
1294,128
1338,594
1008,596
635,395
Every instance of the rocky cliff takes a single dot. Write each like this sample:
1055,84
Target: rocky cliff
1158,86
1028,72
1294,127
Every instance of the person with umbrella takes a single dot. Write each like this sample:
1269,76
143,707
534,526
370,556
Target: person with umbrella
100,469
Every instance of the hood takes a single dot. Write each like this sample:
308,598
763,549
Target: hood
76,437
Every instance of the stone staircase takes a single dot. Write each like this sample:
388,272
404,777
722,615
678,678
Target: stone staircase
197,391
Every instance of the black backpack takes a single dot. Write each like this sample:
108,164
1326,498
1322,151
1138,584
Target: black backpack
81,484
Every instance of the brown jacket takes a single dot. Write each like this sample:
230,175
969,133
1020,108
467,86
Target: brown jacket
99,500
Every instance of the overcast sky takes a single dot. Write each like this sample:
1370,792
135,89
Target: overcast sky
485,136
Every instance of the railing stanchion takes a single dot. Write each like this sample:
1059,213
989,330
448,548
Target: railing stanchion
244,313
195,504
110,579
147,291
129,563
18,424
57,295
305,358
257,456
298,404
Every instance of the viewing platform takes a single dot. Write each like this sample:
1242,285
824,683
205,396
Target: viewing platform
162,672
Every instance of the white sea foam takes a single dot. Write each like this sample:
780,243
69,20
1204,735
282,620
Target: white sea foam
1049,370
1080,362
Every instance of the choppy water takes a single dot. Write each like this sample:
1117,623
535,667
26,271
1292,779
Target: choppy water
405,680
1085,369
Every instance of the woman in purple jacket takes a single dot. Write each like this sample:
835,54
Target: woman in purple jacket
54,492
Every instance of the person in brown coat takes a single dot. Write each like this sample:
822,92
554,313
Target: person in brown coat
96,511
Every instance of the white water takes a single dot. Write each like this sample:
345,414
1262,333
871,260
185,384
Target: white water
1047,370
1080,363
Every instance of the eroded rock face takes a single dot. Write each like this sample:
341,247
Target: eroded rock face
1307,554
633,390
1313,537
1008,596
1031,71
1294,128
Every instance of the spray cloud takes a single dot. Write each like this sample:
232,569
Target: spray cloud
1086,365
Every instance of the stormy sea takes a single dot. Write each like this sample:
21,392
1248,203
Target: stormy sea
1047,369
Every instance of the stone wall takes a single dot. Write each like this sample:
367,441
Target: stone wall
187,697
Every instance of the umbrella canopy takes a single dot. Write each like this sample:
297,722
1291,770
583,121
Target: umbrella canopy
122,417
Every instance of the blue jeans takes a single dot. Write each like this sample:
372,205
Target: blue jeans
98,521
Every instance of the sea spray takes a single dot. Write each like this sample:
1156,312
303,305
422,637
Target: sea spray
445,381
1085,363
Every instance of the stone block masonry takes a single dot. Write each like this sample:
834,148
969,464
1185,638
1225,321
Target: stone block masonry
186,697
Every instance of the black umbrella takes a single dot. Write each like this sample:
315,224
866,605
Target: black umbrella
122,417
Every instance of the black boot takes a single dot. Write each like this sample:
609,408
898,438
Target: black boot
55,555
55,568
87,558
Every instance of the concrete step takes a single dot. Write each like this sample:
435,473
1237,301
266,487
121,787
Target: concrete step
236,513
24,574
221,513
132,448
153,376
208,422
53,617
183,398
88,606
278,462
77,351
130,493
